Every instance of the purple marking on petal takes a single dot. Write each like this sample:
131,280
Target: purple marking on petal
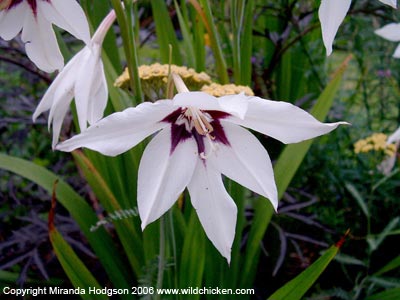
219,133
14,3
199,141
172,117
33,5
217,114
178,134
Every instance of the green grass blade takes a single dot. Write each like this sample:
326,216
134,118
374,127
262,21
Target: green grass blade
246,47
193,255
82,213
374,243
187,39
76,271
207,17
393,264
165,33
392,294
357,196
297,287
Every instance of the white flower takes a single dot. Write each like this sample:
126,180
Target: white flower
35,19
83,78
200,138
331,14
391,32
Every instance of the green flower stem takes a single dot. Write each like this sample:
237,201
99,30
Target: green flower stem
215,44
126,26
161,257
173,244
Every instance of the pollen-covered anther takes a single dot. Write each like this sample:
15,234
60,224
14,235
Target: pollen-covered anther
200,122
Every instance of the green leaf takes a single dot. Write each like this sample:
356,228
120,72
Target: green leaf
374,243
297,287
127,233
76,271
359,198
208,19
263,213
392,294
291,157
165,32
82,213
393,264
349,260
187,38
193,255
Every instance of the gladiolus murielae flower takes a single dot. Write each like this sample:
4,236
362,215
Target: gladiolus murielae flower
83,78
35,19
331,14
200,138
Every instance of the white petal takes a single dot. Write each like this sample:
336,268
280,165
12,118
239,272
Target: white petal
121,131
163,175
41,43
283,121
216,210
331,15
65,77
235,105
392,3
390,32
246,161
386,166
199,100
87,77
58,111
12,20
99,95
394,137
68,15
396,53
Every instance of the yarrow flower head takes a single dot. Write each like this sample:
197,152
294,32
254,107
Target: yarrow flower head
35,19
83,79
218,90
200,137
383,149
153,78
332,13
376,142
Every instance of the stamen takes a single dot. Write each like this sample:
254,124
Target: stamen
200,122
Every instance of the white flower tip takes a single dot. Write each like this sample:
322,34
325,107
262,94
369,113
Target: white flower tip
179,84
143,225
328,51
227,255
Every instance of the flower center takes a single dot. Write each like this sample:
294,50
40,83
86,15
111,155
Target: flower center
203,127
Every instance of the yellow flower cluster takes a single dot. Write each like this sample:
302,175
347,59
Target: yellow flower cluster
375,142
219,90
154,77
